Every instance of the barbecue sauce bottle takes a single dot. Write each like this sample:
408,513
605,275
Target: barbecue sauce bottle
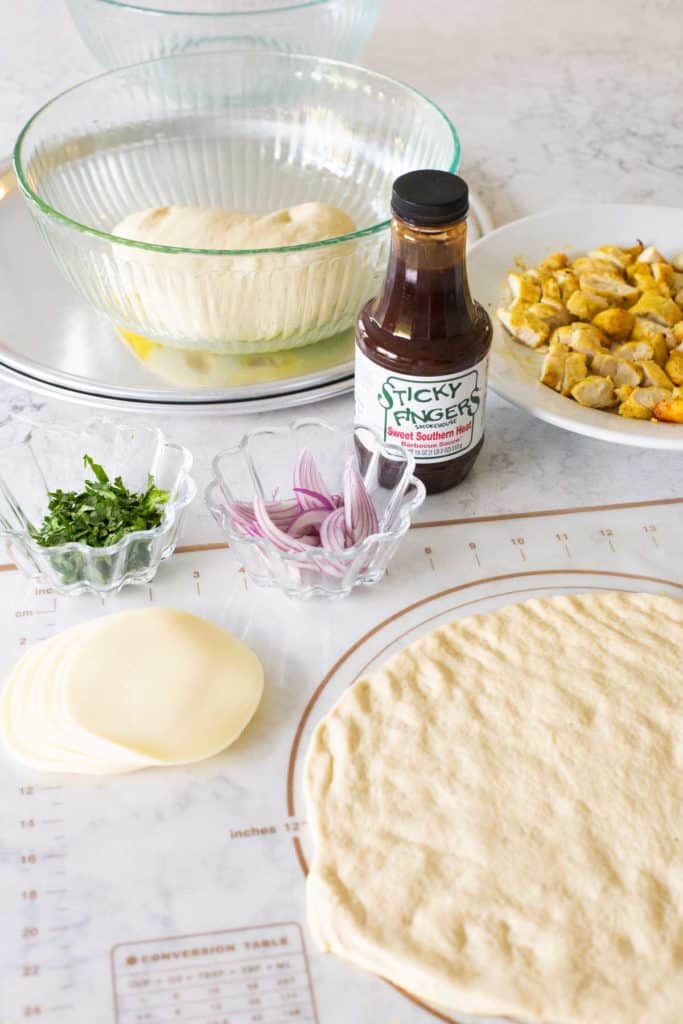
422,344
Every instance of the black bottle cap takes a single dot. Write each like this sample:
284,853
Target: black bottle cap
429,198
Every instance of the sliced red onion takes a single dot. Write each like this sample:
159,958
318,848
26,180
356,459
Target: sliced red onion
282,513
271,532
319,500
315,518
309,485
333,534
311,540
360,517
308,522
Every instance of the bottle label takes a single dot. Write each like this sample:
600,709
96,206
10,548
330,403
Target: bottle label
434,418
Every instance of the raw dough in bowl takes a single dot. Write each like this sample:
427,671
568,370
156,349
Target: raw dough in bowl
497,814
241,303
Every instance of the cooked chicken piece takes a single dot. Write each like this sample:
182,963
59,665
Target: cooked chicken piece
624,391
634,351
595,392
524,326
568,283
658,308
613,254
552,371
677,282
677,331
610,286
670,410
554,316
620,370
678,297
633,410
663,272
557,261
575,369
677,261
651,255
581,337
524,288
616,323
550,291
661,338
674,367
585,305
586,265
648,397
640,274
654,376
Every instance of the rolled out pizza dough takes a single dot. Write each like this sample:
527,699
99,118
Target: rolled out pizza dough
244,302
497,814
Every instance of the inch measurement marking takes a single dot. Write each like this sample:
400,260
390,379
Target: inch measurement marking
519,543
651,531
473,548
563,539
608,533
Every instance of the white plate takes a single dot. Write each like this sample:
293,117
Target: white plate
514,367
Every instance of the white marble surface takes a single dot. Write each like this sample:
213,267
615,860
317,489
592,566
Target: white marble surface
554,103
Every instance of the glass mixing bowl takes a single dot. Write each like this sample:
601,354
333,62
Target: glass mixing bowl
246,130
120,33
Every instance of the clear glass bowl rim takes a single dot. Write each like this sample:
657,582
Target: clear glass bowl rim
283,5
262,55
187,491
307,559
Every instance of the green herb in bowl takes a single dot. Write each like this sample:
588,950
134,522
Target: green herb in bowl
102,513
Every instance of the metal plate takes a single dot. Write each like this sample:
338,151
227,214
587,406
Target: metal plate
54,344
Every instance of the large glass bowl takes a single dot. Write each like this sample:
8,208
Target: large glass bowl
120,33
245,131
35,460
261,465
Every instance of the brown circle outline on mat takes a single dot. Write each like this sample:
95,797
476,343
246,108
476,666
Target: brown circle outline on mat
313,699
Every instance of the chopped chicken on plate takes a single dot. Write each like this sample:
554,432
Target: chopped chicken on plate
674,367
609,326
595,392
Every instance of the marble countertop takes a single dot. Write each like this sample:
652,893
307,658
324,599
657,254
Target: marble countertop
554,103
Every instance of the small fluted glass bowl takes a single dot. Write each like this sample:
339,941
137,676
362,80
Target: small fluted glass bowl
262,465
122,32
45,458
247,131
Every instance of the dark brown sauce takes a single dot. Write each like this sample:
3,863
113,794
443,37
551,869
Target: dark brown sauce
425,323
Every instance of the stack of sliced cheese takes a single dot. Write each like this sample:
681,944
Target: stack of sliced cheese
132,690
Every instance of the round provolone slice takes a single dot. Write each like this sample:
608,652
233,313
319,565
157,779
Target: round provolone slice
31,731
162,682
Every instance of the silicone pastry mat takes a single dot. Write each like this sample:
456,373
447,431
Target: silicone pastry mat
177,894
